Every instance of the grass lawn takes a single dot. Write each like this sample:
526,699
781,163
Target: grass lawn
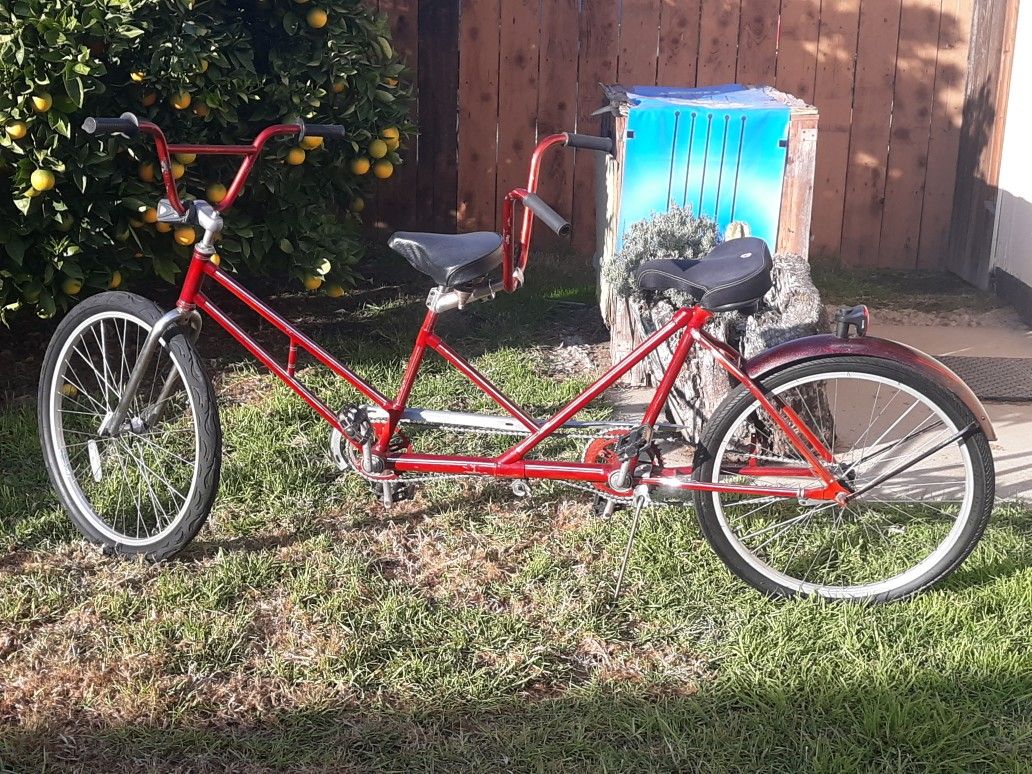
308,629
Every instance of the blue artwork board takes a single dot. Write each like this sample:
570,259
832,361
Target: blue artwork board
720,150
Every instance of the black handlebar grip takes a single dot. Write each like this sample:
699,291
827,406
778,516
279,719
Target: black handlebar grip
548,216
334,131
589,142
127,124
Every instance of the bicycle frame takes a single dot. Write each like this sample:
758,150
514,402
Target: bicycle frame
686,322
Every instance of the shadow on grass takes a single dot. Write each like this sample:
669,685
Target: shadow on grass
965,723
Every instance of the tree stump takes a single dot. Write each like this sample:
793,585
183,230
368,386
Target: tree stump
794,309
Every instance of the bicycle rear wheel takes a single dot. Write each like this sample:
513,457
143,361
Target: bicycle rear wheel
148,489
911,449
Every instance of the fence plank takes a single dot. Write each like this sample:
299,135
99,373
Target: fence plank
718,41
757,43
557,107
797,48
517,87
639,43
478,113
944,141
869,139
833,97
678,43
599,32
908,140
981,139
438,82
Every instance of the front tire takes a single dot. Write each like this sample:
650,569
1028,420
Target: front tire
149,489
895,539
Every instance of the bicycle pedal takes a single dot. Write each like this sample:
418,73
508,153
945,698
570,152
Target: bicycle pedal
634,442
357,427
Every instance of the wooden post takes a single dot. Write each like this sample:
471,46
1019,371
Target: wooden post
797,189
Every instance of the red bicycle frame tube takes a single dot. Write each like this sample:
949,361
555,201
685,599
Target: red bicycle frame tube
686,322
249,152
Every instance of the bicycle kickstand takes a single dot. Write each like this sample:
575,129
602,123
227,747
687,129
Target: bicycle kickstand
641,499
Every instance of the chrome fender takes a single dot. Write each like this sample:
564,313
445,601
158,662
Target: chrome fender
827,345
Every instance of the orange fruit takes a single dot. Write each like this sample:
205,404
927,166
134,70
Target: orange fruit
162,228
203,68
334,291
383,169
68,389
17,130
377,149
178,170
116,280
185,235
71,286
390,133
317,18
215,193
311,143
296,156
392,144
180,101
150,215
186,158
312,282
149,98
360,165
137,77
146,172
357,204
201,110
339,85
215,259
42,102
42,180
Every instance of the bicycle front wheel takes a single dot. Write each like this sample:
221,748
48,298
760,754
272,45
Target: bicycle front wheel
149,488
925,486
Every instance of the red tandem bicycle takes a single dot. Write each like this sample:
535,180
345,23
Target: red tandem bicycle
841,465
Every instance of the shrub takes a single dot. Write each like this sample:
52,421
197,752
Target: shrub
211,71
676,233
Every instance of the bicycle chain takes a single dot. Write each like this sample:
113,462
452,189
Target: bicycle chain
404,479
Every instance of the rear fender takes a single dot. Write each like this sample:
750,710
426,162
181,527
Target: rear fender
827,345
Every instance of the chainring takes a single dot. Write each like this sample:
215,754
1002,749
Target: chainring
600,451
347,454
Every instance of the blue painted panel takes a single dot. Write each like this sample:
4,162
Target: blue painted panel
720,150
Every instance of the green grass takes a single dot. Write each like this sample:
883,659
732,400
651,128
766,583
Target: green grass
307,629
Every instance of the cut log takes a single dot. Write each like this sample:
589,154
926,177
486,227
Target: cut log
793,309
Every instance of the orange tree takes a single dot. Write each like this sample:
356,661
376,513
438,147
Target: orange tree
75,211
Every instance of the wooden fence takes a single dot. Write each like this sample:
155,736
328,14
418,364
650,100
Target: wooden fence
890,78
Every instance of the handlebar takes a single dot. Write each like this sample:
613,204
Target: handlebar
130,125
126,124
548,216
589,142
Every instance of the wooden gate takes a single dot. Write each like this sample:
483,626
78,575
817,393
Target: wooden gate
891,79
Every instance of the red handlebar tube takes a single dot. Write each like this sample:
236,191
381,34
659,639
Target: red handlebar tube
508,269
249,152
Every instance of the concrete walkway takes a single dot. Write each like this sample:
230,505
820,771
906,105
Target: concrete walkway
1012,451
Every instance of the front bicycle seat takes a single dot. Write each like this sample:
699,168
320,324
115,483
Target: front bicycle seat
450,259
733,275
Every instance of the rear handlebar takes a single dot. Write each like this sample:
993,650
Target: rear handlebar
126,124
548,216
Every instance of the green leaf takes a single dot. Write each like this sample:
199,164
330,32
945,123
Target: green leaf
16,249
285,246
74,89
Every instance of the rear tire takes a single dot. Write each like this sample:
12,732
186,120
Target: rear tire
904,508
149,490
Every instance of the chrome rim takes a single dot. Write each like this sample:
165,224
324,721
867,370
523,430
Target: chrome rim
135,487
884,539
